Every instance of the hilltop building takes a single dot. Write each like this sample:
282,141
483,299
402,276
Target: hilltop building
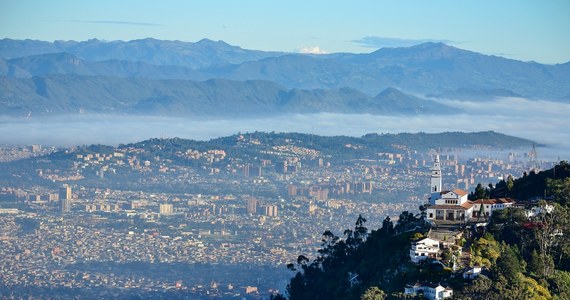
446,205
453,205
484,208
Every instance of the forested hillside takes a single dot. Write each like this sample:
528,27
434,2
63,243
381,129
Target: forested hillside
524,250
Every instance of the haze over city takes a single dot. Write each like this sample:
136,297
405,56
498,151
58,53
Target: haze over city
284,150
514,116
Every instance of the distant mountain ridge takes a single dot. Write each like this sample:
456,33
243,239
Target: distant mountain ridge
429,68
69,94
151,51
468,94
210,78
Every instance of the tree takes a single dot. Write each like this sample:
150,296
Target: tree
423,212
508,265
540,265
360,232
510,185
479,288
387,227
559,189
552,222
406,221
373,293
559,284
480,192
485,251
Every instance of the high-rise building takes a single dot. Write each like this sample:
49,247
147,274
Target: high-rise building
166,209
252,206
292,190
65,192
270,210
65,198
65,205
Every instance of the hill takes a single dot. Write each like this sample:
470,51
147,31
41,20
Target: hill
523,256
68,94
534,185
247,148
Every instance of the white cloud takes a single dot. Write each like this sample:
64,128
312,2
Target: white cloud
312,50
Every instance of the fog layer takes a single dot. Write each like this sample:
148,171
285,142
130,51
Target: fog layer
542,121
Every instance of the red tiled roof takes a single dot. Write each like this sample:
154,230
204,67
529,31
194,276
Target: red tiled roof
449,206
493,201
460,192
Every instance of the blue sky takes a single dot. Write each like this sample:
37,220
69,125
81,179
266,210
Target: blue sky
521,29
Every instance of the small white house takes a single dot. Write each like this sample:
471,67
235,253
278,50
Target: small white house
429,290
423,249
472,273
537,210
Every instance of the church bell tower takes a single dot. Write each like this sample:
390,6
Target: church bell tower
435,180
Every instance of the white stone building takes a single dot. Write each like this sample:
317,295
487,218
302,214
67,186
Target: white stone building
423,249
429,290
483,208
446,205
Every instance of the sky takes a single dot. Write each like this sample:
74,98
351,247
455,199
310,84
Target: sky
518,29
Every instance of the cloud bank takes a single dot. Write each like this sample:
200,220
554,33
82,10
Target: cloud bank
541,121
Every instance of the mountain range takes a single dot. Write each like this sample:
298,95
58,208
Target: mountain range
69,94
212,78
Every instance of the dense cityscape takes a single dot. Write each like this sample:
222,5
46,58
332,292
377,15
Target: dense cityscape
75,232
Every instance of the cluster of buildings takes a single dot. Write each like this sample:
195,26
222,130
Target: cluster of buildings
449,211
128,227
212,217
454,206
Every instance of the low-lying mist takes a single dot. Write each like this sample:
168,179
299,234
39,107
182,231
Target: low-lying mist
542,121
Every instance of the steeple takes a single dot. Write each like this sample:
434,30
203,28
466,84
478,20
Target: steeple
435,179
436,175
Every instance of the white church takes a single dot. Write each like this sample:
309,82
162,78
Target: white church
453,206
447,205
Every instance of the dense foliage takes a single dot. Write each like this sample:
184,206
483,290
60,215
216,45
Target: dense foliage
533,184
370,264
525,252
